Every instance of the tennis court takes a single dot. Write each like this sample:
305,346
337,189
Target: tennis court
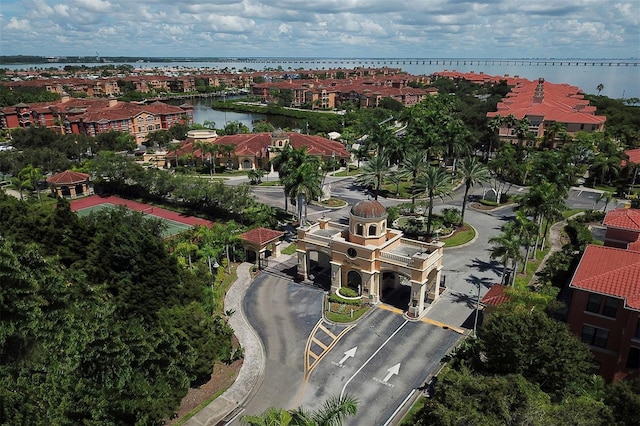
172,227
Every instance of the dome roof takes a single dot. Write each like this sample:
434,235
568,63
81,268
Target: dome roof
368,209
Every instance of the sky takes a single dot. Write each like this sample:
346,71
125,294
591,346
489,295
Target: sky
322,28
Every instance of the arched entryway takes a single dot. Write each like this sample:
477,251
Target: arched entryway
395,290
319,268
354,281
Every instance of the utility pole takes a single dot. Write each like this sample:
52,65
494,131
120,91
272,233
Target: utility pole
475,322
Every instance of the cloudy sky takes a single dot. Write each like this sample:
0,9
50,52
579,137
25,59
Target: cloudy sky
322,28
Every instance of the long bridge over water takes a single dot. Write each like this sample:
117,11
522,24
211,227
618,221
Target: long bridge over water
445,61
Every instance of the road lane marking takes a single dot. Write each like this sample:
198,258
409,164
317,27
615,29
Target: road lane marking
458,330
372,356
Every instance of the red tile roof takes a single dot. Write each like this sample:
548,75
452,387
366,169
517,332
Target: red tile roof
254,143
68,177
496,296
562,103
610,271
261,235
634,156
623,219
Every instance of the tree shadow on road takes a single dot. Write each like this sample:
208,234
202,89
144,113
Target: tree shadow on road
483,266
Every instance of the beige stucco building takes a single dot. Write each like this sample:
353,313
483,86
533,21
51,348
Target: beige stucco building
371,258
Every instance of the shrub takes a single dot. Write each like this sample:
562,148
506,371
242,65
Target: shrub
334,298
489,203
451,217
348,292
591,216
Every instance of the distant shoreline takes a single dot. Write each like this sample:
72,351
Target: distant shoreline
100,61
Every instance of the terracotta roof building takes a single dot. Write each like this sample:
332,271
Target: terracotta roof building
260,244
94,116
544,103
376,262
605,303
70,184
255,150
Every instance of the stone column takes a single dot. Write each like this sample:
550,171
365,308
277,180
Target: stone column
336,276
303,265
276,248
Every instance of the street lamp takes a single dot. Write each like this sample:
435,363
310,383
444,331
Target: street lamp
333,160
475,322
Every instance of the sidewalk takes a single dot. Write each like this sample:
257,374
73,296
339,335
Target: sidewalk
253,365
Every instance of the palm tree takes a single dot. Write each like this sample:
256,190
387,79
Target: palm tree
435,182
599,88
545,202
30,177
494,125
373,173
413,166
506,247
334,412
305,185
472,173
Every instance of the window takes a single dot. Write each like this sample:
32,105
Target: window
633,359
372,230
595,336
593,304
610,307
351,252
359,229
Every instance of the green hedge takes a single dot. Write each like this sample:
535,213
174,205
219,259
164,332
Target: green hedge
334,298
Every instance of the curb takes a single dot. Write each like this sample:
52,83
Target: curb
253,365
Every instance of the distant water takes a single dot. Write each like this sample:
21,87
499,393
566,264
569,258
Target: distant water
620,77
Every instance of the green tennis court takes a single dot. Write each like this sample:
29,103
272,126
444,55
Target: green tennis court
172,227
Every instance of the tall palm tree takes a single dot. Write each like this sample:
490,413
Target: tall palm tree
373,173
333,413
494,125
306,185
413,166
472,173
30,177
435,182
506,247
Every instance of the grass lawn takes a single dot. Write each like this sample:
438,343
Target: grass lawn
270,183
333,202
462,236
350,171
408,420
568,213
290,249
523,280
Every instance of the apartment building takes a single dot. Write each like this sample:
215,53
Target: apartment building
605,303
94,116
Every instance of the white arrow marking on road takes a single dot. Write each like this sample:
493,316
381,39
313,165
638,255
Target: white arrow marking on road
348,354
393,370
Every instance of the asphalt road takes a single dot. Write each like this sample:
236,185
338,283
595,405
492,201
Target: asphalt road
392,356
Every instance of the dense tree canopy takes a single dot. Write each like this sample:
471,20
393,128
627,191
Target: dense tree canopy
100,324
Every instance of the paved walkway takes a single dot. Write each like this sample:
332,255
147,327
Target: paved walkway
253,364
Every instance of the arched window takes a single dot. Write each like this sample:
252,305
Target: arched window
354,281
372,230
359,229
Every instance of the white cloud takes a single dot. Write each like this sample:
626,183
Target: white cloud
374,28
18,24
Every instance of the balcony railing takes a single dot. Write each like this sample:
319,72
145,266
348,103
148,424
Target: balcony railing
403,260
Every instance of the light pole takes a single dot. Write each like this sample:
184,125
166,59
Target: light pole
475,322
333,160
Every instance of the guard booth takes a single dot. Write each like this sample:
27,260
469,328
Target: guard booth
260,244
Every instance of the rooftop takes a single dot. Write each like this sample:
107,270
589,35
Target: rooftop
610,271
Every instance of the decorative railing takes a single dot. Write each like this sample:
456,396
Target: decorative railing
317,239
404,260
